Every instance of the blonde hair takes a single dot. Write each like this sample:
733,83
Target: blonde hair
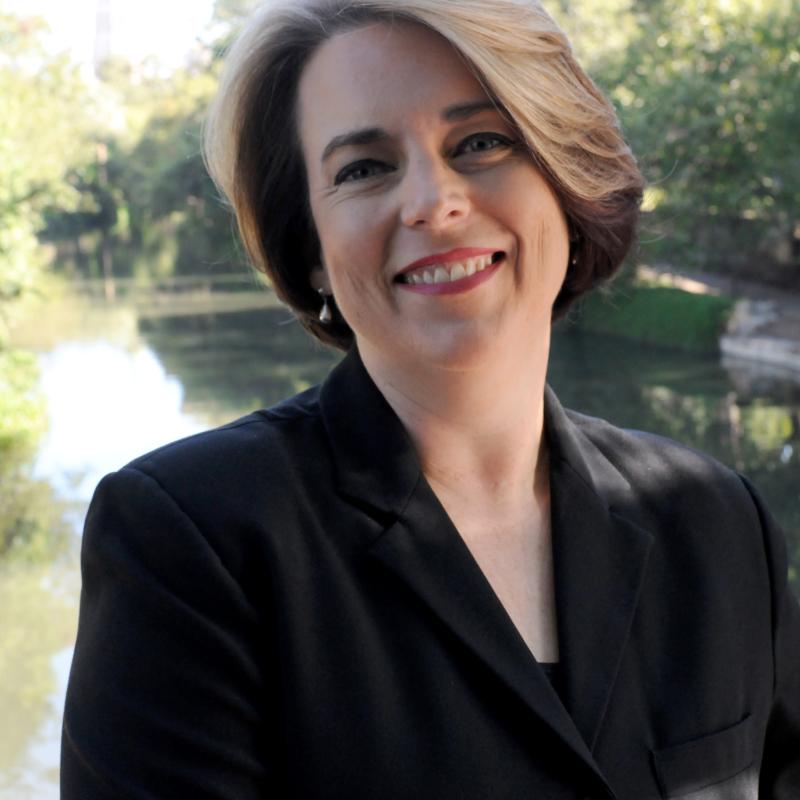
521,57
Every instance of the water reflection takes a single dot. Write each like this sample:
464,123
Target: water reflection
112,400
106,406
230,364
38,606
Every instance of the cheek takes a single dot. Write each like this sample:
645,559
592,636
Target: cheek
350,264
347,231
553,235
356,240
533,213
540,214
549,244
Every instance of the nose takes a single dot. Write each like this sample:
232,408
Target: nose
433,195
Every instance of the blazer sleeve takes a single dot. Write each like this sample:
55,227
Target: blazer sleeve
164,696
780,768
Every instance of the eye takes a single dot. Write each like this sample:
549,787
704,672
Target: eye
482,143
360,170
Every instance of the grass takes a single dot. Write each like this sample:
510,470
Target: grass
657,315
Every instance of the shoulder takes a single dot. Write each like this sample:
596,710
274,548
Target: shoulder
641,455
264,440
709,527
223,489
226,479
673,482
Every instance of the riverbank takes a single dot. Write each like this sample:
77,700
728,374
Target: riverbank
699,313
742,320
764,326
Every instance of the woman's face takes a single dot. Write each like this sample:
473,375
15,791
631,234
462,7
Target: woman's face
441,241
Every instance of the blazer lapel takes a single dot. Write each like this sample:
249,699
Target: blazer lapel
600,556
426,552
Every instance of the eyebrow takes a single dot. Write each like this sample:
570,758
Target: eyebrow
362,136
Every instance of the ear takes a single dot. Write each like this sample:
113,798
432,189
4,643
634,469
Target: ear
319,279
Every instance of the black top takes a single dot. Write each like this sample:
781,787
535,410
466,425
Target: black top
553,671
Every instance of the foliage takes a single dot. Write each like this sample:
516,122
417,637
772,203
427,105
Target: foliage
21,409
32,522
148,208
657,315
34,528
707,93
36,623
41,135
148,197
175,215
232,11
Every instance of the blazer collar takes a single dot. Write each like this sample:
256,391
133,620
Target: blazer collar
599,553
375,459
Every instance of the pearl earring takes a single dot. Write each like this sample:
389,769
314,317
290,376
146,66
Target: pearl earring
574,244
325,315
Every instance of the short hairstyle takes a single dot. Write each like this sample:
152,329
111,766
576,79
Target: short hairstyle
520,56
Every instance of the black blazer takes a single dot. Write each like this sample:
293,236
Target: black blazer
281,608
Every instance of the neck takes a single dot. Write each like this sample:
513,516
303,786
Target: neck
468,425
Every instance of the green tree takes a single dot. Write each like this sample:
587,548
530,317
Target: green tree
176,220
41,134
232,12
707,92
148,205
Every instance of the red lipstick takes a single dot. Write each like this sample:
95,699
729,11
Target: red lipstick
458,254
459,285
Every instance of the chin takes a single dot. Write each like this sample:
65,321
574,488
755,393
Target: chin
458,352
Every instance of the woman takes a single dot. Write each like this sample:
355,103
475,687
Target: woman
425,578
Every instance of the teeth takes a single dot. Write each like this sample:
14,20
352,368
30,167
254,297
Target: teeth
442,273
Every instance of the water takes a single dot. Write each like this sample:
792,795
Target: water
118,385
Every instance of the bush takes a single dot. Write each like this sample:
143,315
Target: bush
656,315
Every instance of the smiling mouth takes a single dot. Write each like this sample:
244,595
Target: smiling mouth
449,272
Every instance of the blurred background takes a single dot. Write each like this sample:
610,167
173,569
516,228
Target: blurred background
128,316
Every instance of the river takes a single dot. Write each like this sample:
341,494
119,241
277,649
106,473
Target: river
119,381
